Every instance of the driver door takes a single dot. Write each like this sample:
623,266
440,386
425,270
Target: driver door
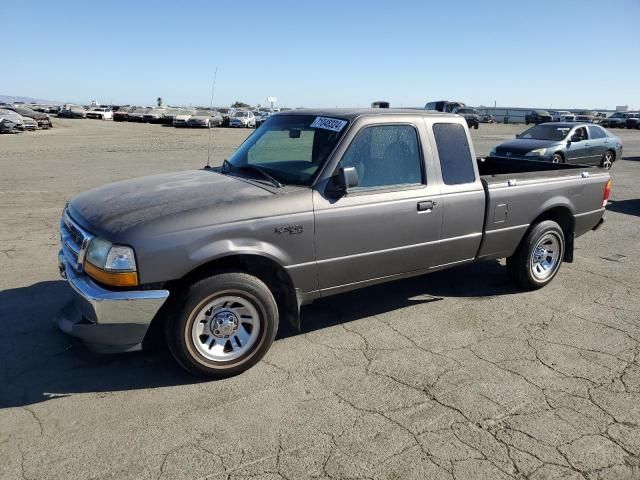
390,223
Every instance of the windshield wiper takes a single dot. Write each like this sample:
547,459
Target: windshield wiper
253,168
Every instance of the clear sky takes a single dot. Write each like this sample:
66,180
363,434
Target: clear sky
544,53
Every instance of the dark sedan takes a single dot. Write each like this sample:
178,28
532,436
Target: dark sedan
563,143
537,116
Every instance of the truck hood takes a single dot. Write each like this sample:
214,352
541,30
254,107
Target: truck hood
521,146
115,208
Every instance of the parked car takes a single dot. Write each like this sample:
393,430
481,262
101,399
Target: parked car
154,115
15,119
264,115
100,113
303,209
488,119
42,119
137,114
8,126
579,143
537,116
562,116
70,110
181,120
173,112
444,106
242,118
586,116
226,116
205,118
122,114
633,122
617,120
471,115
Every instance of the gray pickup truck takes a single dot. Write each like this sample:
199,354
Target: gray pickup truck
313,203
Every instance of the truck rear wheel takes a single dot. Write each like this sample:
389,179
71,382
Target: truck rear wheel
538,257
223,326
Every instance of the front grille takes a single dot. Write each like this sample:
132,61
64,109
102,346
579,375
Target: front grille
75,241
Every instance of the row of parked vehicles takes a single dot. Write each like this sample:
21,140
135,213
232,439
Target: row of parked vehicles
616,120
16,118
176,116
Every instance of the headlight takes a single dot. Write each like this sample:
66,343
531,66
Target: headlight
538,152
111,264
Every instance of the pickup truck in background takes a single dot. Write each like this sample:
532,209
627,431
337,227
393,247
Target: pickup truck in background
314,203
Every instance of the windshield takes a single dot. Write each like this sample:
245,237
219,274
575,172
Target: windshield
240,114
545,132
291,148
619,115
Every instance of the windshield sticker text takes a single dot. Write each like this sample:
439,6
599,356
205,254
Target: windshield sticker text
333,124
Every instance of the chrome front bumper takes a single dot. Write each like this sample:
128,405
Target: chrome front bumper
108,321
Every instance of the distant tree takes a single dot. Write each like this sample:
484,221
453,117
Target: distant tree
237,104
159,101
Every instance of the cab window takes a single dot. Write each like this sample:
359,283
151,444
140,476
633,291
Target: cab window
385,156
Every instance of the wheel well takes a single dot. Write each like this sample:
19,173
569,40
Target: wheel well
561,154
269,271
563,217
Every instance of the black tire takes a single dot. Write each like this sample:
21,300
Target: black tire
607,159
557,158
520,264
190,302
475,126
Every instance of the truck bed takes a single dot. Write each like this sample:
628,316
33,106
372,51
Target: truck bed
518,192
499,170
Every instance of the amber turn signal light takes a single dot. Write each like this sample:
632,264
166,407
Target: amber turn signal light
114,279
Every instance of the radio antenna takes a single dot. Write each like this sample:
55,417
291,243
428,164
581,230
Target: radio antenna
213,89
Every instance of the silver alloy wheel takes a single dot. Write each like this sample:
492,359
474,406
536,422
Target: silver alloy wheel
607,160
225,328
556,158
545,257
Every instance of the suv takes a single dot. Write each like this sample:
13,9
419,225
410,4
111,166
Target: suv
563,116
537,116
471,115
618,119
444,106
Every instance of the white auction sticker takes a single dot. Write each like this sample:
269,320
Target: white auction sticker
325,123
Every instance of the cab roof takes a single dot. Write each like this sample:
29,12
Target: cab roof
353,113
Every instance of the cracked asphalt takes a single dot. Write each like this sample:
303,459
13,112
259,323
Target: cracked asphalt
456,375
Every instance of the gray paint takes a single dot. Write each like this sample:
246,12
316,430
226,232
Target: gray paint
178,222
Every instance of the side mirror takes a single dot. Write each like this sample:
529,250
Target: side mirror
517,135
347,178
342,181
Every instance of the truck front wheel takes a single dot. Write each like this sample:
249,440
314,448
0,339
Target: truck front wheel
223,325
538,257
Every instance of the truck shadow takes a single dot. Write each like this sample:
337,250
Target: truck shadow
628,207
39,363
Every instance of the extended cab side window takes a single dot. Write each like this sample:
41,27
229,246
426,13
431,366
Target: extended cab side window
454,152
385,156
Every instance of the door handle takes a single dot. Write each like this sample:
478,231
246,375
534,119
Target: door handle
426,206
587,144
